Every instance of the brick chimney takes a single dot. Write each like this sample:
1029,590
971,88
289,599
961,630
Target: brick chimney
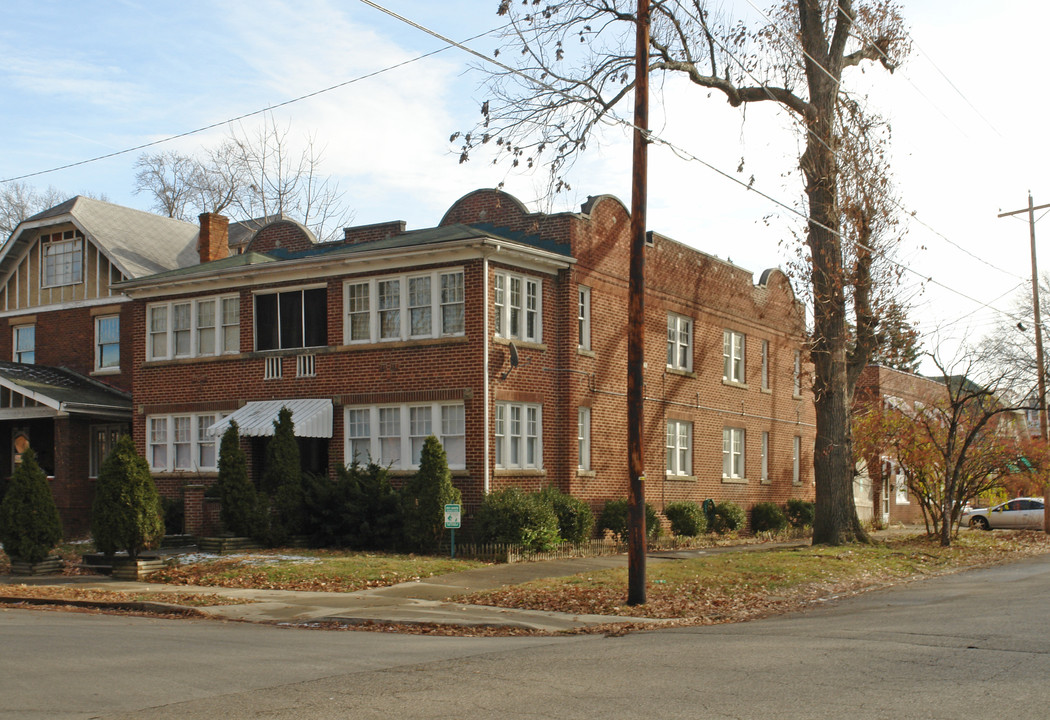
214,238
370,233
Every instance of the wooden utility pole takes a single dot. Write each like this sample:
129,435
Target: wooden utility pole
1040,367
636,318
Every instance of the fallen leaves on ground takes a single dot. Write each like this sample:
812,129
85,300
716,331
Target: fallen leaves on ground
74,593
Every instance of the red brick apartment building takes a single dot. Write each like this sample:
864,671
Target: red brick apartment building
502,332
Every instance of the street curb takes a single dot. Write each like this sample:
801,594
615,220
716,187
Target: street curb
131,605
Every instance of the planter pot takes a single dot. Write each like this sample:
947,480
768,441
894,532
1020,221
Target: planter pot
127,569
47,566
224,545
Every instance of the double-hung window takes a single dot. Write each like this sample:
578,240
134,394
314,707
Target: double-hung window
291,319
394,435
765,457
765,364
679,447
63,261
192,328
518,307
404,307
679,342
796,455
519,436
796,382
733,452
583,438
733,356
181,442
107,342
25,344
585,318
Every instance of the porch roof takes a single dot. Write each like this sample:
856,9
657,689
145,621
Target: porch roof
312,417
62,390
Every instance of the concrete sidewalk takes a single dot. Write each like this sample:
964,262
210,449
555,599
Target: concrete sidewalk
430,601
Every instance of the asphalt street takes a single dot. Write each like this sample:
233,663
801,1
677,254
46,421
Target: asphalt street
974,644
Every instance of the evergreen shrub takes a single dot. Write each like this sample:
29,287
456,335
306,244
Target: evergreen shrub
282,482
800,513
766,516
239,511
29,523
514,517
126,514
614,518
686,517
424,496
727,517
575,518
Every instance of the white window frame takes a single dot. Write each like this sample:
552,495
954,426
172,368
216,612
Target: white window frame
364,433
61,259
796,380
518,306
796,460
24,344
765,456
584,318
765,364
583,438
102,342
445,308
733,460
734,367
679,341
519,436
679,444
163,440
163,332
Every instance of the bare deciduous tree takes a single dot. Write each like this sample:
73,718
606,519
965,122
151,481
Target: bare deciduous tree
19,200
256,172
582,53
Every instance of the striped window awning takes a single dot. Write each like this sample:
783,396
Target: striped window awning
311,418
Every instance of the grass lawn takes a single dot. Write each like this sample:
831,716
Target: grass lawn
737,586
323,570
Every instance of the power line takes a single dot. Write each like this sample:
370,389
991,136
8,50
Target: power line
253,113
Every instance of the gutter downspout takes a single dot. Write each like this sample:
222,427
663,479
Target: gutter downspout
485,364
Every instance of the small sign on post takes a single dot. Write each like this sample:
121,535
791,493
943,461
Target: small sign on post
452,521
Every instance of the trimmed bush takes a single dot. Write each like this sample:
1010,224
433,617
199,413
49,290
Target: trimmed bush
800,513
282,481
127,512
424,496
29,523
359,509
687,518
514,517
767,516
614,518
727,517
239,511
575,519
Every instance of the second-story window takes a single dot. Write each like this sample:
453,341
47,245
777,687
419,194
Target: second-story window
107,342
193,328
63,258
679,342
733,356
25,344
291,319
585,318
404,307
518,307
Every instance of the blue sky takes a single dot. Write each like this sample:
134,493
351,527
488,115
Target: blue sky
82,79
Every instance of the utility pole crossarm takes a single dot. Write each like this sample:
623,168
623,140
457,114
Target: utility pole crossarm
1023,210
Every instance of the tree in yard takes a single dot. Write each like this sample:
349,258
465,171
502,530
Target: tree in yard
127,513
240,512
19,200
254,173
580,54
959,441
424,496
282,481
29,523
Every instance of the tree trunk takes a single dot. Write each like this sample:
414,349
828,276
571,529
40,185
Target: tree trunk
836,520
